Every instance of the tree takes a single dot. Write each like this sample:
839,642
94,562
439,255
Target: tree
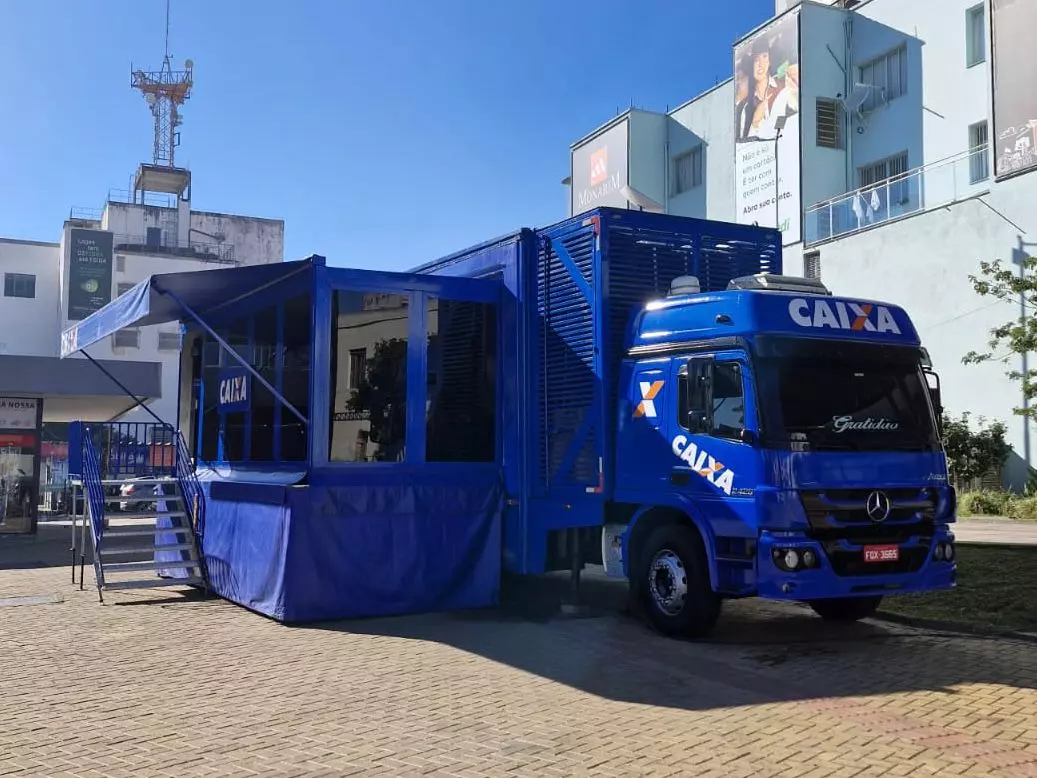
383,393
973,454
1017,336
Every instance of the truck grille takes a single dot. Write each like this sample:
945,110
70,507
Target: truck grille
839,520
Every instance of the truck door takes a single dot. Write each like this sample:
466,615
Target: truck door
713,430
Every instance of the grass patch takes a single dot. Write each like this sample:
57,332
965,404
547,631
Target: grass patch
1002,504
997,590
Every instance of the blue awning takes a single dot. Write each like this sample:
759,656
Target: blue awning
160,298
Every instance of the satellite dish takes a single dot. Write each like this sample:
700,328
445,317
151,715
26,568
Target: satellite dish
641,200
189,64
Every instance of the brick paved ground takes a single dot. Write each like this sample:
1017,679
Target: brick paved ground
160,684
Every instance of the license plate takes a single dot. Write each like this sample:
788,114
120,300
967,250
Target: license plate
881,553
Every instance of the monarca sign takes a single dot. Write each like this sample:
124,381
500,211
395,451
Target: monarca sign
702,463
840,315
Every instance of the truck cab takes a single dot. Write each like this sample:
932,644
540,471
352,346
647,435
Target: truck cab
774,440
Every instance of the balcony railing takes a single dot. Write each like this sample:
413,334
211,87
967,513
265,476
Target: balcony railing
203,252
916,191
151,199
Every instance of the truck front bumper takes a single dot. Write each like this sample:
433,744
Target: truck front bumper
919,569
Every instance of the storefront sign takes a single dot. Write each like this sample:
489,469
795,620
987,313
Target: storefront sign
89,271
18,413
235,390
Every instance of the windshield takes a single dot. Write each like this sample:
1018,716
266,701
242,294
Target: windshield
821,395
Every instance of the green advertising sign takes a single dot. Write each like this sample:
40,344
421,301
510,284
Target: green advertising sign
89,272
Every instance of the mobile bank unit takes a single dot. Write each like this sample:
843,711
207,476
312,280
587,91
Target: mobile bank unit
632,389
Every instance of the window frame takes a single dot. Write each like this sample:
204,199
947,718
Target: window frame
12,283
882,94
979,165
717,362
972,57
696,159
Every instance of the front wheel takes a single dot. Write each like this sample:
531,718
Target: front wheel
846,608
674,583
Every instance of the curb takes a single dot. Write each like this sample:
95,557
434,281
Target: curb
954,627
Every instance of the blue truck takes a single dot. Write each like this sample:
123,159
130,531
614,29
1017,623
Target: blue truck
707,428
640,391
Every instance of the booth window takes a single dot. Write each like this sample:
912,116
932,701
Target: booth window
462,386
264,407
368,377
295,376
235,425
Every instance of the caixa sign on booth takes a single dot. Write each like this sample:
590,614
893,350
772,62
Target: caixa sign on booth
235,391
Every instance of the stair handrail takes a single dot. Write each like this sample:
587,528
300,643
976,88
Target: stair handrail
93,487
190,485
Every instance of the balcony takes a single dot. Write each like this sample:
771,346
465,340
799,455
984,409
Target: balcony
923,189
221,253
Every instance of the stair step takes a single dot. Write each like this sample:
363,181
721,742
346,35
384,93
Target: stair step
149,515
139,482
140,532
150,498
121,567
106,551
154,583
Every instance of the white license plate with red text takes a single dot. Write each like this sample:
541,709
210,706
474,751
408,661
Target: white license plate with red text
881,553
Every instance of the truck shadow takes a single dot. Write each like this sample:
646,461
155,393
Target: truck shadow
761,652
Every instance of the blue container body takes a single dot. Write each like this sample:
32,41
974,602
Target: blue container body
570,291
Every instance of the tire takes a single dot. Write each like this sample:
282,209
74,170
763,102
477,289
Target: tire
669,552
846,608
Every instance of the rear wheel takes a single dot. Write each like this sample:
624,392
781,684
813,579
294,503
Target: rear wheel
846,608
673,583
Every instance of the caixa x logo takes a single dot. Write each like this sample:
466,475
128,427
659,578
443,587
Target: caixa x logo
649,391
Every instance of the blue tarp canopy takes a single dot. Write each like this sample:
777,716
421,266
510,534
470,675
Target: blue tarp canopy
161,298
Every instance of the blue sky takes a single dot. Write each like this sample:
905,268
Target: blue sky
384,133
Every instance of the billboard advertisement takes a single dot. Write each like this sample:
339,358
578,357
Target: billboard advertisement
599,171
766,116
89,271
1015,85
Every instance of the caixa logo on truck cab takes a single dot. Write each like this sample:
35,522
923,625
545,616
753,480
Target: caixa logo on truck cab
840,315
723,478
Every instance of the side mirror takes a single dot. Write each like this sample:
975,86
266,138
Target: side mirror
698,422
933,384
748,437
699,399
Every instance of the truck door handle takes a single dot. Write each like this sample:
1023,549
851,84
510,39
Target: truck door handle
680,477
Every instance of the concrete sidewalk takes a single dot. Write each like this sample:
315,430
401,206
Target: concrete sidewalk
995,530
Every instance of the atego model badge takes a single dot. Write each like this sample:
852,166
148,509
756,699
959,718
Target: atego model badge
878,507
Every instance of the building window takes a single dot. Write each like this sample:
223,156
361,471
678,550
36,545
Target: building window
829,123
688,170
878,174
887,77
20,285
369,392
812,264
120,263
462,388
979,158
123,288
168,341
295,376
357,367
975,36
126,339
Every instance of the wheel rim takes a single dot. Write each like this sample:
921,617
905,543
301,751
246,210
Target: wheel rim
668,582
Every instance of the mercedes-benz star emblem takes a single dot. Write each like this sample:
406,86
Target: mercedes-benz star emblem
878,506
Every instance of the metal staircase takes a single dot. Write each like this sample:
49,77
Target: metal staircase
156,540
157,528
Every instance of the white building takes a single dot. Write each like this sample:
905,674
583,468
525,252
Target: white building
907,155
100,255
